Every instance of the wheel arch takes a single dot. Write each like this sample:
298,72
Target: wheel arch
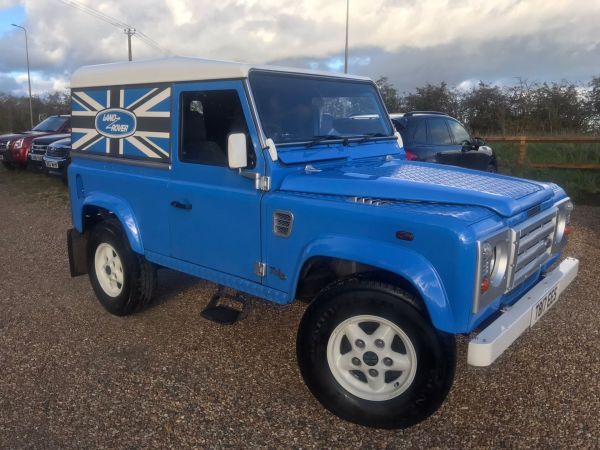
345,256
97,207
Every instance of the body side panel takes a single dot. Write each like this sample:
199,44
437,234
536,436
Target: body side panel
439,262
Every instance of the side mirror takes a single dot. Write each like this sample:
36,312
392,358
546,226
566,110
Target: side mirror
467,145
478,142
237,155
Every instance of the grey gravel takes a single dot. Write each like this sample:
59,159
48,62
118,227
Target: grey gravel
71,375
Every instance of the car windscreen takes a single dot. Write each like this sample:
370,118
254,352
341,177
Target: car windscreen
304,108
51,124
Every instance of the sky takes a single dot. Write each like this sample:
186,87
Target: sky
412,42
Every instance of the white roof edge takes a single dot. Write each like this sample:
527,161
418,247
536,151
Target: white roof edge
174,69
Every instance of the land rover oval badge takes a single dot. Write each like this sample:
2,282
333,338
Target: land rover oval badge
116,123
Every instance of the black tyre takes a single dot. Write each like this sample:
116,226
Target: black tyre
370,355
8,165
492,167
122,280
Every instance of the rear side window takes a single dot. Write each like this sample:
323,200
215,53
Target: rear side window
420,134
207,120
438,132
459,132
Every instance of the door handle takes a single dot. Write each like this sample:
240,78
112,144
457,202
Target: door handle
180,205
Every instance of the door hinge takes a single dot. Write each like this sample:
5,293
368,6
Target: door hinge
260,269
263,183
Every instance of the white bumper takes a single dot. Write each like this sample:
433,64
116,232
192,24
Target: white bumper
500,334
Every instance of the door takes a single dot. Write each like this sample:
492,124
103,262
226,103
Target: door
215,211
416,142
439,139
463,153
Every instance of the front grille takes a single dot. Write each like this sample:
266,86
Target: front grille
38,149
57,152
534,240
3,146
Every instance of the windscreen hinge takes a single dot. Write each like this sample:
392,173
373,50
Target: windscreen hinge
263,183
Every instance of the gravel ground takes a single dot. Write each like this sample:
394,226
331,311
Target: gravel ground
74,376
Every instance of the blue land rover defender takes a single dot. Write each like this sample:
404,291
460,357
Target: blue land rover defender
289,184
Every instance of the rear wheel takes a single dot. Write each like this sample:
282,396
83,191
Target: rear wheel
122,280
370,355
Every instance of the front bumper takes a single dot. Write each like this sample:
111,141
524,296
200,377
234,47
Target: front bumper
56,164
17,156
36,159
490,343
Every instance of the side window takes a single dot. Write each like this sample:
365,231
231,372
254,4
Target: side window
207,120
438,132
420,135
459,132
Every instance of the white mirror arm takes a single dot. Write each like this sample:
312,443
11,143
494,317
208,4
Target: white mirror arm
272,149
249,174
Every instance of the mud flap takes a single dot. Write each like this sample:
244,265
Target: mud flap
76,243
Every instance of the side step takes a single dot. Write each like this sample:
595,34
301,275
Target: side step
226,309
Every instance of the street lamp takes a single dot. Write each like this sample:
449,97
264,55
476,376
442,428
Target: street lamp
346,50
28,74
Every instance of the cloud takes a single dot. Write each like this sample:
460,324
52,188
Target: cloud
410,41
9,84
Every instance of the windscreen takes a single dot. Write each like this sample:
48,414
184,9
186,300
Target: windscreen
297,108
51,124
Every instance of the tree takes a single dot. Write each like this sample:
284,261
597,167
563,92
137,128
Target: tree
433,98
14,110
486,109
389,94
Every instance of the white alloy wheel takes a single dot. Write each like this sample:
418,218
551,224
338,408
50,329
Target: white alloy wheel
377,364
109,269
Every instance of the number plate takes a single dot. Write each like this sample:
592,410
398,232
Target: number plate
36,157
52,164
544,305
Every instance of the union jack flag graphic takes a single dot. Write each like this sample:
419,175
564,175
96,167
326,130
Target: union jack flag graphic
151,108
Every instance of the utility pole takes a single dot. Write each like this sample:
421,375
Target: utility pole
129,32
28,74
347,20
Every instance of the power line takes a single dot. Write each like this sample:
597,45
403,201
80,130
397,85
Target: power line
105,17
128,29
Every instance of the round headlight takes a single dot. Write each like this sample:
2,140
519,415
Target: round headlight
494,262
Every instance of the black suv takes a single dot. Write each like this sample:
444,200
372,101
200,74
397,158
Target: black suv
436,137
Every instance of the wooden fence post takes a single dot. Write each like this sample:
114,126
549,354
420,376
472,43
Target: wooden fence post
522,150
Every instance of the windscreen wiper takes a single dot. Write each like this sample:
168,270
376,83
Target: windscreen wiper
326,137
369,136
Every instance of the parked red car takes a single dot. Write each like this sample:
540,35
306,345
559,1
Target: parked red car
14,148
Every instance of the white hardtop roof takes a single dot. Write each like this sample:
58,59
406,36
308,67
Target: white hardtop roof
167,70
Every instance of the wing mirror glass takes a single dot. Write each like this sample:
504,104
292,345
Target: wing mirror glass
237,155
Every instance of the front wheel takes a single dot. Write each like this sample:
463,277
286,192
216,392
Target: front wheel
122,280
370,355
8,166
